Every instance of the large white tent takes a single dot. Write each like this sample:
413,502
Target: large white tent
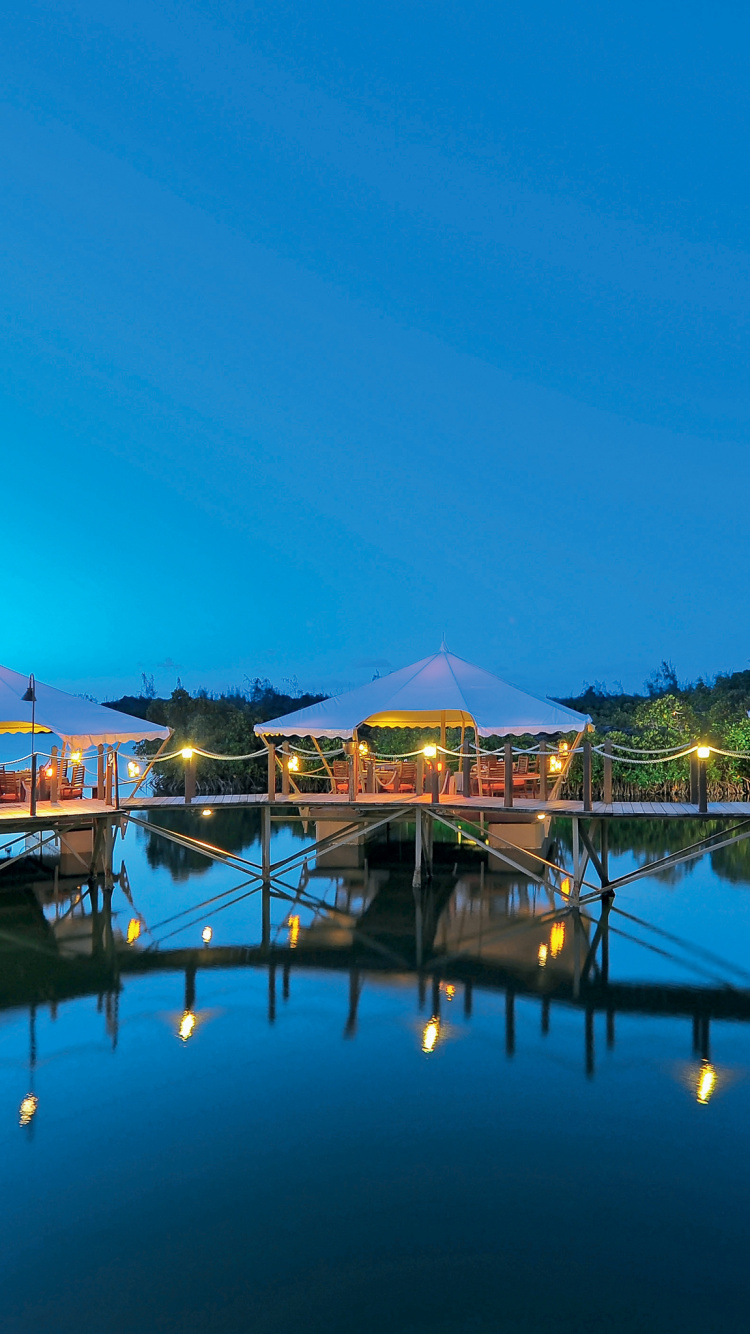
79,722
440,691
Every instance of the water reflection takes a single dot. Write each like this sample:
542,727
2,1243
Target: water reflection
397,1058
468,926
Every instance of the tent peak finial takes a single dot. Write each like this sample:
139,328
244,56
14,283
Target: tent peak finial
443,645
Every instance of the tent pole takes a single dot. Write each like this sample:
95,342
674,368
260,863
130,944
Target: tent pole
144,775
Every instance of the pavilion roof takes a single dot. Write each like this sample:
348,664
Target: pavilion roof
78,721
441,688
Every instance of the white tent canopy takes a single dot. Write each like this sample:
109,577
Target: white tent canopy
441,690
77,721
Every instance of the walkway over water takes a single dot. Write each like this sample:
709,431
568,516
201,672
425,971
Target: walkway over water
53,814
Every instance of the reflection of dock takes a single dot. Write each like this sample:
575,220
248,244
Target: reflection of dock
70,813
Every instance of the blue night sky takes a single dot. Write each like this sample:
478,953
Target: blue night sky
330,328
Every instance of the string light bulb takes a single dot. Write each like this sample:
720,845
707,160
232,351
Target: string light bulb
703,752
429,751
187,752
207,935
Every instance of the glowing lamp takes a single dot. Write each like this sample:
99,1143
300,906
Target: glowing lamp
50,771
294,763
133,769
206,812
75,757
187,1026
27,1109
703,752
207,935
706,1082
363,748
541,816
541,955
134,930
187,752
429,752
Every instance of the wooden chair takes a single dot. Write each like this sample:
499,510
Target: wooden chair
528,775
71,788
407,778
340,775
10,786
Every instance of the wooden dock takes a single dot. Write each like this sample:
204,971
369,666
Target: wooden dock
15,817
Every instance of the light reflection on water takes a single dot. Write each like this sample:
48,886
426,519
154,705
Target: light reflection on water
329,1139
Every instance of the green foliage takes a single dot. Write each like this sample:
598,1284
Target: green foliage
665,715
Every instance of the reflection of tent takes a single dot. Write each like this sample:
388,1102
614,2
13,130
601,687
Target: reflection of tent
439,691
78,721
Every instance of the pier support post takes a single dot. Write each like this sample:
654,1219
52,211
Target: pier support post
417,877
508,776
576,858
607,794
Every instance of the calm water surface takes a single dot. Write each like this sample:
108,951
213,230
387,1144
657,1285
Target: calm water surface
301,1163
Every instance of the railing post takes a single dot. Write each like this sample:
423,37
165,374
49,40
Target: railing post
508,775
693,778
542,770
32,795
271,773
702,788
420,776
607,794
352,774
466,767
107,777
100,772
587,776
189,779
434,782
285,768
54,782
